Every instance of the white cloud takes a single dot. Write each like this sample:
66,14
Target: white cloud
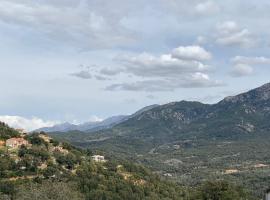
191,53
201,40
206,8
227,27
251,60
182,68
78,23
195,80
147,65
244,66
84,74
240,70
25,123
95,119
182,60
229,33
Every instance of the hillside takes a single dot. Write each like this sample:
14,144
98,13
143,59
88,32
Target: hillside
37,167
191,141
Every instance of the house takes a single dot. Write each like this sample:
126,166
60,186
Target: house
16,142
168,175
98,158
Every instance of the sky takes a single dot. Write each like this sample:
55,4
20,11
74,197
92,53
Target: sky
85,60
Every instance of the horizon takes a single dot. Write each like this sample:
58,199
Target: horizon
79,61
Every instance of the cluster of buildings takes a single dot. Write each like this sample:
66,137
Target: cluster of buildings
14,143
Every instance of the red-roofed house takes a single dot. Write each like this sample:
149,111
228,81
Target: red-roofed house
16,142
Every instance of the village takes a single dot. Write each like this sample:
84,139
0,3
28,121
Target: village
45,155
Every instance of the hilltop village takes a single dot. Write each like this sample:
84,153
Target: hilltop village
36,153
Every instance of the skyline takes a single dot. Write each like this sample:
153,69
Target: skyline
86,60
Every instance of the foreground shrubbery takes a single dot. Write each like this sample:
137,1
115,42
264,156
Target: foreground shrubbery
112,188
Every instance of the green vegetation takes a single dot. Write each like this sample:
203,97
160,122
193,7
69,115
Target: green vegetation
6,132
44,169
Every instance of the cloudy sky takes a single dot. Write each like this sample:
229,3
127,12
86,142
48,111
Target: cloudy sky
81,60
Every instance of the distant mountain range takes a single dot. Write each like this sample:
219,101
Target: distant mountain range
232,117
192,140
93,126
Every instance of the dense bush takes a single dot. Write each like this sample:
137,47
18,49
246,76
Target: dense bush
69,160
34,139
7,188
99,183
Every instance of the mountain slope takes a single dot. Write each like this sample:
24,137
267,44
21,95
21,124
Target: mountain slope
231,118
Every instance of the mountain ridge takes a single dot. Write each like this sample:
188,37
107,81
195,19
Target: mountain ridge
231,111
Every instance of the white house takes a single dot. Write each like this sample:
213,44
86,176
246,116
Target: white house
98,158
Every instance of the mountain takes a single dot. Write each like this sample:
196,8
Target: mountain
192,140
88,126
93,126
58,127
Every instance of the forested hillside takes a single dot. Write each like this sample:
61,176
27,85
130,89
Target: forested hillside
38,167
